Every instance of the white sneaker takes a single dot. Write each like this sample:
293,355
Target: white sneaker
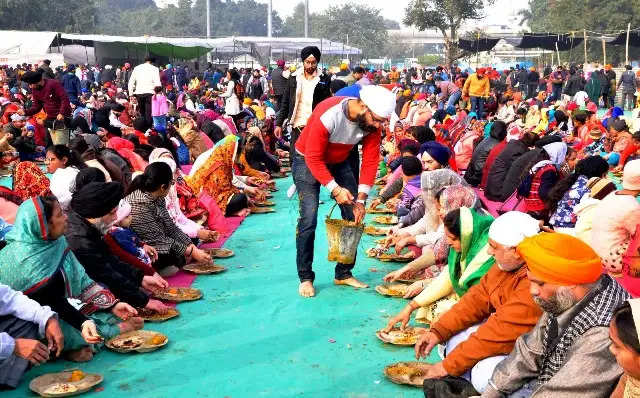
291,191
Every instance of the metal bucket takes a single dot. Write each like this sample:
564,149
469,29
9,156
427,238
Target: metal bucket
344,237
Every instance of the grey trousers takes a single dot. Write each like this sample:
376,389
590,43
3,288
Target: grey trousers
12,368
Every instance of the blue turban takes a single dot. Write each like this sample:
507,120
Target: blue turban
438,152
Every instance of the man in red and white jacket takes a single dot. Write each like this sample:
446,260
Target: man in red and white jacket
321,158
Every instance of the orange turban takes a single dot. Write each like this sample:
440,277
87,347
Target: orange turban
560,259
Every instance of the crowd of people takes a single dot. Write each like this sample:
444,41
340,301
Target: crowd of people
518,190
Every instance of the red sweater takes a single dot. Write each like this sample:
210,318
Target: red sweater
52,97
127,257
329,137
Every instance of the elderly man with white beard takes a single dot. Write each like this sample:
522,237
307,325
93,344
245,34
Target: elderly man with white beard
567,353
93,212
481,329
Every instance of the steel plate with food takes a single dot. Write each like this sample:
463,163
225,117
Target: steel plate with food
153,316
393,290
204,268
387,220
409,373
137,340
64,384
178,294
375,231
407,337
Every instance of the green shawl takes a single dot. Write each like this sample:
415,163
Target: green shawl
473,262
30,258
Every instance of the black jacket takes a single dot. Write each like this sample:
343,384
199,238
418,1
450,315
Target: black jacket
500,168
473,176
278,82
517,172
321,93
574,84
87,244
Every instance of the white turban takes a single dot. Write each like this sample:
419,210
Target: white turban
379,100
513,227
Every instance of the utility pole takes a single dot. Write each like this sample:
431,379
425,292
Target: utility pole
270,8
208,27
306,18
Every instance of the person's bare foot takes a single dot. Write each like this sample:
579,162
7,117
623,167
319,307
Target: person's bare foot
131,324
353,282
84,354
306,289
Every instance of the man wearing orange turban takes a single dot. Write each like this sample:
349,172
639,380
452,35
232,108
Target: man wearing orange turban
567,353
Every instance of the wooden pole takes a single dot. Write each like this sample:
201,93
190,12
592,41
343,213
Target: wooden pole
584,32
627,46
558,52
604,52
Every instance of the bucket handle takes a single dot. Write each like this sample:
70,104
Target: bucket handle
331,211
53,126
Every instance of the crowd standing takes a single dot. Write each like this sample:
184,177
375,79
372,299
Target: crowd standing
517,189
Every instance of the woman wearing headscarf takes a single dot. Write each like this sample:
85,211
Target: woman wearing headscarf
467,233
424,232
216,177
465,146
191,228
498,133
29,181
38,262
434,255
541,177
568,192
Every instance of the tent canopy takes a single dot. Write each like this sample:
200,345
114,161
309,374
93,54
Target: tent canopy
189,48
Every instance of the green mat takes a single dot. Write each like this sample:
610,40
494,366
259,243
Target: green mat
253,336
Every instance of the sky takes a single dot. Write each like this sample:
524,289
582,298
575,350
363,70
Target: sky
390,9
394,9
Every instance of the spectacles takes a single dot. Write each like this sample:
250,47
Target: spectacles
374,117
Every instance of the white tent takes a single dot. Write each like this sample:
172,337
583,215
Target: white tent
17,47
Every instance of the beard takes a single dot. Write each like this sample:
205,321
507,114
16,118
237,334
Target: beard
363,125
103,227
310,71
559,303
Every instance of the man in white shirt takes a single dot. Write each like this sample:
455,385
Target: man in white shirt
22,323
144,79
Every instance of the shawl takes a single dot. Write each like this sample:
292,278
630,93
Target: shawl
432,182
29,181
125,148
473,262
30,259
216,174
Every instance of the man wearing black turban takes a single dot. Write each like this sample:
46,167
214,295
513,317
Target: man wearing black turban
306,89
93,212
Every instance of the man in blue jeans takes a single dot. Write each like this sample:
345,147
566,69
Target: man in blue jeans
322,157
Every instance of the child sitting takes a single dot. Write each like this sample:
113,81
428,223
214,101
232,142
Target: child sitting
125,244
411,197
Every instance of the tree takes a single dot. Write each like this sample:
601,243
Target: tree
60,15
447,16
357,25
547,16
